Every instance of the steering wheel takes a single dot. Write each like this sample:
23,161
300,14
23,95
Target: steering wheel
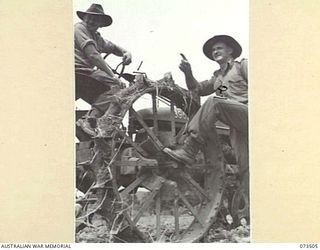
126,76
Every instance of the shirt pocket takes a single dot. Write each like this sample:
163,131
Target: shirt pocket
236,79
237,84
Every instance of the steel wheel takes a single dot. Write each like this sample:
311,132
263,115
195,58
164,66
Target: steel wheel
129,159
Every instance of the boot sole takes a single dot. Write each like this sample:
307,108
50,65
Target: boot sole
173,156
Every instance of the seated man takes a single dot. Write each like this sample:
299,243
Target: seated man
230,83
88,46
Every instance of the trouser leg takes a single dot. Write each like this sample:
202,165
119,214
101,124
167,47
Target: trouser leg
102,102
229,112
239,143
236,116
202,127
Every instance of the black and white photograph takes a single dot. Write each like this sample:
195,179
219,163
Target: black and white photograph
132,121
161,113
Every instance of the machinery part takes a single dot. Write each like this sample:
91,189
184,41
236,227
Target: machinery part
196,189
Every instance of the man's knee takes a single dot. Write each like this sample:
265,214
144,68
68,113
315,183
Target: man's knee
212,100
215,101
104,78
213,105
210,103
229,108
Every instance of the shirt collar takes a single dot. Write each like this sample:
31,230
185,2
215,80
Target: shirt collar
229,65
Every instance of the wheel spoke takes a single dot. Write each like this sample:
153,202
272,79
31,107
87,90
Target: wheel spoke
154,139
145,205
176,217
133,185
126,215
192,210
155,113
186,176
135,145
158,221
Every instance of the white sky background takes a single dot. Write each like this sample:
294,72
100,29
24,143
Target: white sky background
156,31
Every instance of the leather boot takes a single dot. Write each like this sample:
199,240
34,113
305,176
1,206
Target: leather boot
88,125
187,154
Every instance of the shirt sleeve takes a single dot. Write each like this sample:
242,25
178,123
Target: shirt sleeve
82,37
244,69
206,87
107,46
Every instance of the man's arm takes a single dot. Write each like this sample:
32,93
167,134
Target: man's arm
126,55
244,69
203,88
89,46
109,47
191,82
95,57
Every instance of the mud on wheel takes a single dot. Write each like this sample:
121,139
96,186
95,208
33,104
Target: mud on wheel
126,160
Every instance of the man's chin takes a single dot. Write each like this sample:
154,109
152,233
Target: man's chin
218,58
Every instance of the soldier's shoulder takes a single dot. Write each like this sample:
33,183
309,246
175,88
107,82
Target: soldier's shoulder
242,61
242,64
216,73
80,27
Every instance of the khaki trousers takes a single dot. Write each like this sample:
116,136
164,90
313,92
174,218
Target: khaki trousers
102,102
234,114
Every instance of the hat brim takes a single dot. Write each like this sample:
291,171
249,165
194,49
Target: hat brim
227,40
106,19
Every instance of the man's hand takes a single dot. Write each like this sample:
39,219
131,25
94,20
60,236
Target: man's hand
185,67
127,58
120,84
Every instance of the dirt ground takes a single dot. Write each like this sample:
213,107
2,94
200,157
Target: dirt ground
100,231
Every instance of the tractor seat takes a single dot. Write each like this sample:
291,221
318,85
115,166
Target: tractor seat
88,88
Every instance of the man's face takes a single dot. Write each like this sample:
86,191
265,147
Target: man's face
92,22
221,52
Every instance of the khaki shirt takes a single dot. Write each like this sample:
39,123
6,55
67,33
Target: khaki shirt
232,84
83,37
